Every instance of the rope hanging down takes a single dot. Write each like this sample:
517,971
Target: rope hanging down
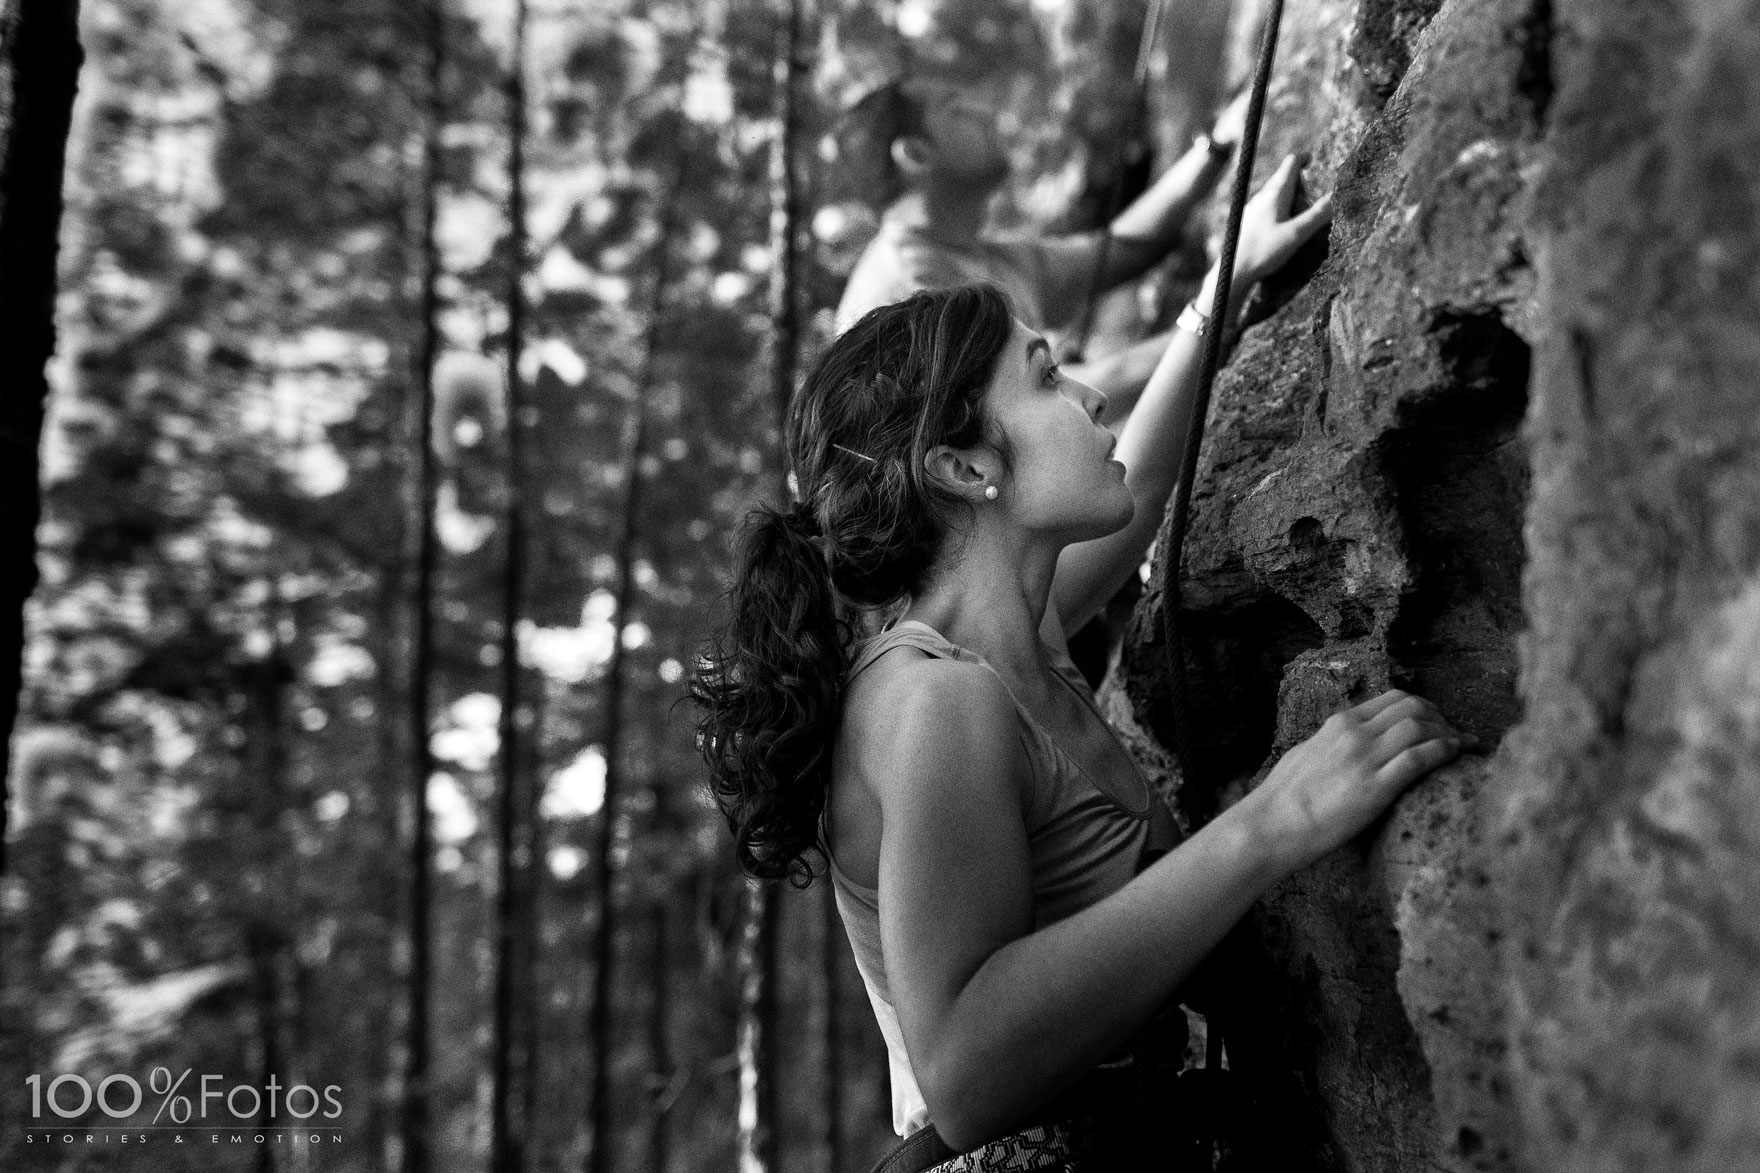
1222,1021
1172,558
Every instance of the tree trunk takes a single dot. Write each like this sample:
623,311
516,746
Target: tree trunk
660,1077
389,632
267,927
509,1063
756,1050
785,211
40,74
758,1139
531,988
382,803
634,447
415,1086
265,952
388,701
832,979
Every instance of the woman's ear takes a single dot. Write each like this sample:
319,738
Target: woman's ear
965,471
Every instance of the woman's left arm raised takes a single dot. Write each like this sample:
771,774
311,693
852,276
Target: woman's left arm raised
1153,441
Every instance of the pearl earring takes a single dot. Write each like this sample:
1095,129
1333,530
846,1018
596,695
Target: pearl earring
989,492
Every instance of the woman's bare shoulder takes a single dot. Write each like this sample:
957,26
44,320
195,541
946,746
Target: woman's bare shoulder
906,682
910,712
913,723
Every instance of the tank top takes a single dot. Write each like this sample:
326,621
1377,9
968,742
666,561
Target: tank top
1085,842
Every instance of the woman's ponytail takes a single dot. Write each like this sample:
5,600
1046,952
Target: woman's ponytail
769,685
768,688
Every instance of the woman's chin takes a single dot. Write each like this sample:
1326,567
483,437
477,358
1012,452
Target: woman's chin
1127,500
1120,517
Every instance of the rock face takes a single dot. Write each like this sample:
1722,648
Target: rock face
1630,818
1499,444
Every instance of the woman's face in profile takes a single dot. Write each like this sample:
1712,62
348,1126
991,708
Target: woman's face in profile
1064,480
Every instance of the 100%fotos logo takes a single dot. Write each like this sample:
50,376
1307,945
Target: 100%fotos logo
119,1097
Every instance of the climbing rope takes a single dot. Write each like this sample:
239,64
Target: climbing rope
1173,551
1172,556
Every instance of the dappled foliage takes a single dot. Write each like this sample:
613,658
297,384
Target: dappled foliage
210,782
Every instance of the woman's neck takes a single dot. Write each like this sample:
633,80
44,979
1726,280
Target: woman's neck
991,601
952,215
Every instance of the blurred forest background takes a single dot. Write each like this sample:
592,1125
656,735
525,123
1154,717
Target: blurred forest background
415,361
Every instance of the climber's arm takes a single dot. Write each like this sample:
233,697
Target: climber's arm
1150,448
1153,442
1140,236
1148,229
998,1015
1144,232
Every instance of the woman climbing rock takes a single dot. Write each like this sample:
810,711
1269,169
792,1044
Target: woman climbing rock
1014,890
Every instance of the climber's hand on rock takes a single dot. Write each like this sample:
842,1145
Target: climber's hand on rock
1334,784
1270,236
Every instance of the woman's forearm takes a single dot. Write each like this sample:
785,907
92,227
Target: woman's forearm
1044,1009
1153,441
1151,446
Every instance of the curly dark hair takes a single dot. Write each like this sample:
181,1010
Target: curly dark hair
864,534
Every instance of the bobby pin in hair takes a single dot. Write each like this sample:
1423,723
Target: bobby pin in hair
854,453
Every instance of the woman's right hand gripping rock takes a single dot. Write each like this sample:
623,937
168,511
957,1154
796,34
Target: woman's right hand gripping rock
1331,786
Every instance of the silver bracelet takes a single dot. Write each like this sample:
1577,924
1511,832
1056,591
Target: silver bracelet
1193,320
1217,150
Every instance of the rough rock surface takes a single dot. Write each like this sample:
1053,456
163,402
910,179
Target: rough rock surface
1546,958
1357,523
1631,810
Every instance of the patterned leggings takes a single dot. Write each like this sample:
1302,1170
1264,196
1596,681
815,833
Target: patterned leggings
1066,1146
1057,1147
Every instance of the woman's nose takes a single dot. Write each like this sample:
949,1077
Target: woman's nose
1096,404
